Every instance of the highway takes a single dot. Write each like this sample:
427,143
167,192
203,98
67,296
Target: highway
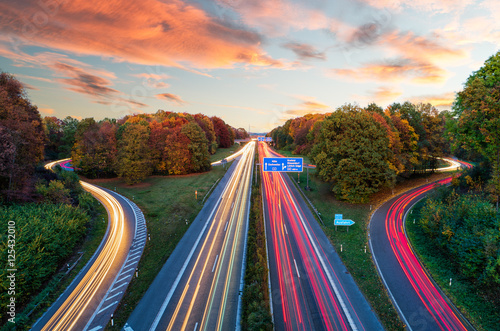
310,287
199,287
89,301
420,302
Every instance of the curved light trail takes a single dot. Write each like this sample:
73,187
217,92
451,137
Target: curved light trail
79,307
427,308
311,295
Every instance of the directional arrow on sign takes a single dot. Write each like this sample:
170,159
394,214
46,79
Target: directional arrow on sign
344,222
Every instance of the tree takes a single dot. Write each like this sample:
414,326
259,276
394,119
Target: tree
178,156
222,133
94,152
53,131
208,127
133,161
69,127
200,159
408,154
478,110
353,153
23,130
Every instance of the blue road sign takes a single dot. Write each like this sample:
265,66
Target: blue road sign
269,139
283,164
260,138
340,221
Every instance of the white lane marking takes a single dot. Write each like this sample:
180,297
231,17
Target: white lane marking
215,263
232,205
295,262
225,228
96,328
127,271
184,266
323,263
124,277
114,295
285,229
195,326
118,287
107,307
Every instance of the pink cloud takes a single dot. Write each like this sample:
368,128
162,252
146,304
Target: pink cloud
83,82
384,94
444,100
305,51
171,33
433,6
47,111
153,80
277,17
171,98
396,70
432,48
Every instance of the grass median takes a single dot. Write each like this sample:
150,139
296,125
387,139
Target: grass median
225,152
169,205
352,243
256,312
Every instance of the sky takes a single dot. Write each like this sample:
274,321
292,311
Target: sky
254,63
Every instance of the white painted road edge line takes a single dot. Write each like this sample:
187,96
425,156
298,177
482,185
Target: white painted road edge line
111,289
184,266
383,279
330,278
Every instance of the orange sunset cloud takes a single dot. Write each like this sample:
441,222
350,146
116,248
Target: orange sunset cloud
146,32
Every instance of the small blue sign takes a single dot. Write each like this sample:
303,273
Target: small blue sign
338,216
343,222
283,164
269,139
260,138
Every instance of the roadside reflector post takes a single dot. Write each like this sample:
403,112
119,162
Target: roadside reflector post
450,281
341,247
365,249
112,321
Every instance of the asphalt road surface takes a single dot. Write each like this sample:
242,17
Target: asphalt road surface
420,302
310,287
89,301
199,286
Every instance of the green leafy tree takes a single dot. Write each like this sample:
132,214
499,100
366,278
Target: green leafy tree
353,153
200,159
133,161
208,127
69,127
478,110
94,152
53,131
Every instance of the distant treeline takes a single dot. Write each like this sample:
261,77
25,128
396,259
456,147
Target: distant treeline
134,147
361,150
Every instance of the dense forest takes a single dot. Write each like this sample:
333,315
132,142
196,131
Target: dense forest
44,215
463,220
361,150
136,146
